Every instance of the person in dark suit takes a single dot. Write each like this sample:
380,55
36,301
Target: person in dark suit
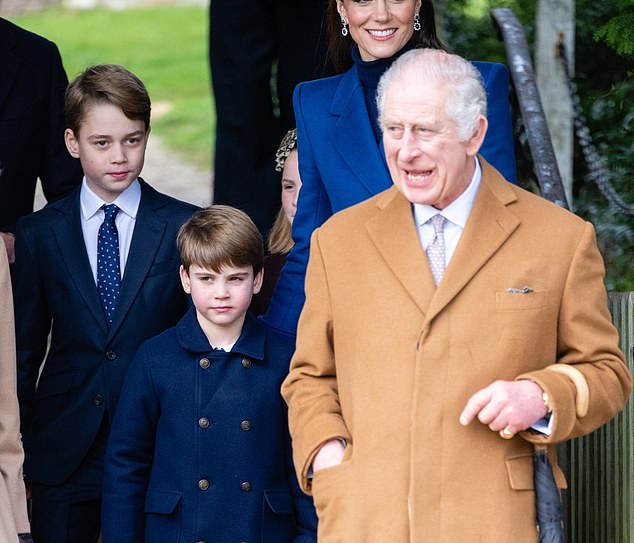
341,160
32,85
99,270
248,41
199,448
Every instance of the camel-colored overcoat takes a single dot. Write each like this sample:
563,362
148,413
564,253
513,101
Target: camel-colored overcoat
387,361
13,517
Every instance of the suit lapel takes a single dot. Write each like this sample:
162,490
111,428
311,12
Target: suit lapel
395,236
146,240
354,138
71,246
9,63
489,225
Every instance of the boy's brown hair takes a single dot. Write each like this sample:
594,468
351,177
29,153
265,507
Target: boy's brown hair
218,236
106,84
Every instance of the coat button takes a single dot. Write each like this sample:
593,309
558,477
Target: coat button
203,484
204,363
111,355
246,363
98,399
245,425
245,487
203,422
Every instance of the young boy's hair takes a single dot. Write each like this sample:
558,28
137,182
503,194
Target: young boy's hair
218,236
106,84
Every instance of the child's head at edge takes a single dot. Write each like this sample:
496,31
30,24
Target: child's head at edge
108,115
222,258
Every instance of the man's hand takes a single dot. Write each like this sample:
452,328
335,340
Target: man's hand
9,241
330,454
512,406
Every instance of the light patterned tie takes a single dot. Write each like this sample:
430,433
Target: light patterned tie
436,249
108,268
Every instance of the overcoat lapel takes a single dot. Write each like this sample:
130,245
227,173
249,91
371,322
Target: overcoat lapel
395,236
9,63
71,246
354,137
147,237
489,225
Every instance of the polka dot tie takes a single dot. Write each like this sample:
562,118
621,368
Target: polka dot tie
108,273
436,249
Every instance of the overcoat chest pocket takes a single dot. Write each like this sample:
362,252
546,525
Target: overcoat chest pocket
278,521
162,518
520,300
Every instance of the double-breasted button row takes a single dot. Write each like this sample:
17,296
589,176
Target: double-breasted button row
203,484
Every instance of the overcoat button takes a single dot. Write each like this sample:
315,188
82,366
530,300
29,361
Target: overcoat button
204,363
111,355
203,484
245,425
203,422
246,363
245,487
98,399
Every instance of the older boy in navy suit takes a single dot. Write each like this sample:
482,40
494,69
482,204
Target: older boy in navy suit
99,270
199,448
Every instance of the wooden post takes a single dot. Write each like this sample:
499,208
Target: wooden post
555,22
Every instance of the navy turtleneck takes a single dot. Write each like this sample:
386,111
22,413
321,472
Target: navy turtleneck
369,73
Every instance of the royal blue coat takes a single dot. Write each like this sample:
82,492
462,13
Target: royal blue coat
341,165
199,448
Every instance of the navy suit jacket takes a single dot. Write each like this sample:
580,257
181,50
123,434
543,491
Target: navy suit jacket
32,85
200,449
340,165
87,361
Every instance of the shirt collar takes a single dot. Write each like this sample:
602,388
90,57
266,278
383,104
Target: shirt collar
458,211
128,201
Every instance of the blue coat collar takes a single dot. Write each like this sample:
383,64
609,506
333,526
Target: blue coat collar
250,343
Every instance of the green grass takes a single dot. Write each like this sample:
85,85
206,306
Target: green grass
165,46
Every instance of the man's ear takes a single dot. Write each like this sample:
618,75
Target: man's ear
475,141
71,143
185,280
257,281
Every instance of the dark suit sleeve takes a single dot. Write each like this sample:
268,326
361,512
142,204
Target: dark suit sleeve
32,317
59,172
129,455
313,209
499,146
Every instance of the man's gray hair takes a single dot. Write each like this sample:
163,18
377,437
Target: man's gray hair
466,97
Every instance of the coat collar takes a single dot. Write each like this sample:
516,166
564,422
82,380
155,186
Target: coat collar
490,224
250,343
353,135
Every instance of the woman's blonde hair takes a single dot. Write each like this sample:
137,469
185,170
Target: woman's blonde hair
280,237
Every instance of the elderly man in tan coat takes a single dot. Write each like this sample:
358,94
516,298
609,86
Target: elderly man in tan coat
425,352
13,518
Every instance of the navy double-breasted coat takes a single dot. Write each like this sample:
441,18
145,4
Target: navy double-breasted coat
199,448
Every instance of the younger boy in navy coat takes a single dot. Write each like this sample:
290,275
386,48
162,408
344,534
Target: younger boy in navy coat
97,269
199,448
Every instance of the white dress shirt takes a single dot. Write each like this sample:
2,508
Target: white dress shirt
92,217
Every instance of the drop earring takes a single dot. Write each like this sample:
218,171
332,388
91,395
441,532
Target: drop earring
417,22
344,27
